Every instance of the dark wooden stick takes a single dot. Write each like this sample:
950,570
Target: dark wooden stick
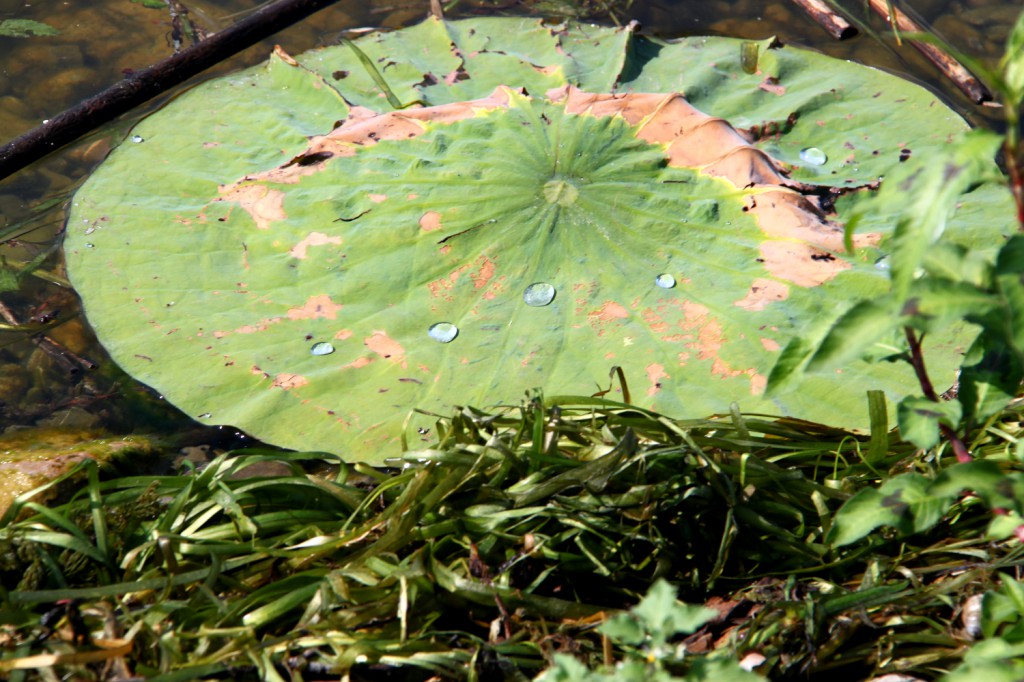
148,83
953,70
836,26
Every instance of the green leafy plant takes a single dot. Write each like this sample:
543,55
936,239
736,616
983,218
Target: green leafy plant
24,28
937,282
499,543
649,633
999,655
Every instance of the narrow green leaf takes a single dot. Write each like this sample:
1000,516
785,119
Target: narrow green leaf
67,541
98,511
290,601
865,598
878,413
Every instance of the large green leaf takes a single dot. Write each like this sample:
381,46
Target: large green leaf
278,250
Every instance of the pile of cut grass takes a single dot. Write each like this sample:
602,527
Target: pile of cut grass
508,540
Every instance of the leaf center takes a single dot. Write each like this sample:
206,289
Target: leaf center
561,192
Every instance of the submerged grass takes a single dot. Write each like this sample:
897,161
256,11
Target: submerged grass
506,540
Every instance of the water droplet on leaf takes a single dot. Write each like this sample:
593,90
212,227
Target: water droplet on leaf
813,156
204,415
321,348
137,139
539,294
445,332
882,263
665,281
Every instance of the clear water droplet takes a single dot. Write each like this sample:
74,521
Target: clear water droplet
90,230
321,348
882,263
539,294
90,246
204,415
137,139
813,156
665,281
445,332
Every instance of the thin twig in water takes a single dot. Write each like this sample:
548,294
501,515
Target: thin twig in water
72,363
834,24
953,70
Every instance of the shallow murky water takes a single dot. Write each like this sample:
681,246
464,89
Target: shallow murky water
98,42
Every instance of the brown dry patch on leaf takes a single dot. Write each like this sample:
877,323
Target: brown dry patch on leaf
632,107
430,221
710,144
365,127
260,326
386,347
762,293
800,263
289,381
291,172
377,198
312,239
710,337
315,308
609,310
401,125
482,276
655,373
358,363
771,85
785,213
702,334
442,286
264,204
770,345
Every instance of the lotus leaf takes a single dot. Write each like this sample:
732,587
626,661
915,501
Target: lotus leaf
282,250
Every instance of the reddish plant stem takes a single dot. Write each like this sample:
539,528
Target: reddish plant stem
917,362
1016,181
